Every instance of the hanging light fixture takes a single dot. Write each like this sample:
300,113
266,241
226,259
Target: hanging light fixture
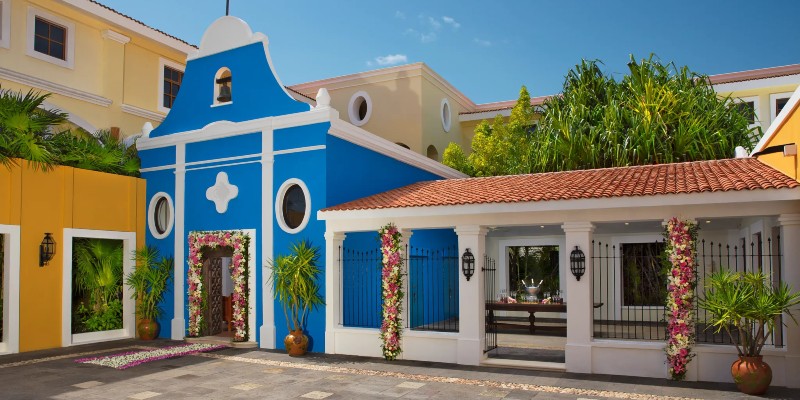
468,264
46,249
577,263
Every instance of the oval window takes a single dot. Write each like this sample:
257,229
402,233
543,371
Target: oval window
294,206
360,108
160,215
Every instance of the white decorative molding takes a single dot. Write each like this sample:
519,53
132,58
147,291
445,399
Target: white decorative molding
279,205
69,49
368,140
115,36
354,105
757,83
141,112
773,97
267,329
128,305
52,87
480,116
323,98
5,23
75,119
163,62
222,192
300,149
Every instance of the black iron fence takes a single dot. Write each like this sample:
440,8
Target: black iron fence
431,292
630,285
489,270
433,289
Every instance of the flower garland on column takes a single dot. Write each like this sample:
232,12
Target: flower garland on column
392,285
237,241
682,281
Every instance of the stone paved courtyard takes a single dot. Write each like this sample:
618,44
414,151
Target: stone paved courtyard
259,374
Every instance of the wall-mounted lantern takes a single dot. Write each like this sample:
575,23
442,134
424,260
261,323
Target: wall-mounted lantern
468,264
47,249
577,263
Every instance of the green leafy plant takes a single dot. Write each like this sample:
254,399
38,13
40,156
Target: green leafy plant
746,305
108,319
294,276
149,281
98,271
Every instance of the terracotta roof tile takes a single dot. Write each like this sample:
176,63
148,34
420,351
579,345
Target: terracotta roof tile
649,180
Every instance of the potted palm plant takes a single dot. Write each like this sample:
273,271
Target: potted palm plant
746,305
295,279
149,283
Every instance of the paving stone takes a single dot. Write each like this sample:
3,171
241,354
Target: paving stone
88,384
144,395
246,386
495,393
411,385
316,395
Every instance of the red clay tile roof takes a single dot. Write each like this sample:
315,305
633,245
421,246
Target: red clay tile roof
649,180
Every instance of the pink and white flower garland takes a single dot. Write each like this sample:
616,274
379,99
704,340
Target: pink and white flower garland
682,281
239,242
392,285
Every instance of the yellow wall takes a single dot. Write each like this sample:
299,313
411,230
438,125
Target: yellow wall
787,133
62,198
123,73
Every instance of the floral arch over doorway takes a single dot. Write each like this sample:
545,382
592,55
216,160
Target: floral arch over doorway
239,242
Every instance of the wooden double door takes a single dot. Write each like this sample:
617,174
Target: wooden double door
213,277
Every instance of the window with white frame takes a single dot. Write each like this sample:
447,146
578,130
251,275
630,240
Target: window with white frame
169,83
643,283
50,38
776,103
749,107
5,23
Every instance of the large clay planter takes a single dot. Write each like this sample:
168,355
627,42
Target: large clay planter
148,329
751,375
296,343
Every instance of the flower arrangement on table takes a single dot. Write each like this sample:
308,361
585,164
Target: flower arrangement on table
392,290
239,242
682,281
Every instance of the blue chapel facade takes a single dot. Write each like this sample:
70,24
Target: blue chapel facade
237,153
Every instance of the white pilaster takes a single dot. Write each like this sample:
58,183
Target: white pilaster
266,332
179,320
471,302
405,245
579,298
790,246
333,283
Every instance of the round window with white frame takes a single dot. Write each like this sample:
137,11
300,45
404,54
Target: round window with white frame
360,108
446,115
293,206
160,215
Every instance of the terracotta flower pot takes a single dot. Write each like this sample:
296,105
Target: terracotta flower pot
148,329
751,375
296,343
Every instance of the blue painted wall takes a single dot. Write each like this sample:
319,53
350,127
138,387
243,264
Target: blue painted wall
162,181
255,92
357,172
308,167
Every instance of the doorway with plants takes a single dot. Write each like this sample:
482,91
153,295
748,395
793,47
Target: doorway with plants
97,272
529,310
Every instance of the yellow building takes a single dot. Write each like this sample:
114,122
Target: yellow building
105,69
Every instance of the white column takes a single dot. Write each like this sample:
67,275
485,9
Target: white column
790,246
179,320
471,302
266,332
333,283
580,299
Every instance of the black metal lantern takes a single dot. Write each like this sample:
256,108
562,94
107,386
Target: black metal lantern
577,263
47,249
468,264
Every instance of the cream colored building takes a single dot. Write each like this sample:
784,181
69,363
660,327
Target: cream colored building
105,69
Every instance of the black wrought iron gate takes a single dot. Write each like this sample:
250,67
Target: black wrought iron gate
489,272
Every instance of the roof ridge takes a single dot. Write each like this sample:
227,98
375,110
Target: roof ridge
142,23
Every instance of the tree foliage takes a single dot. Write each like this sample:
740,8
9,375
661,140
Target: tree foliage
27,132
657,113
